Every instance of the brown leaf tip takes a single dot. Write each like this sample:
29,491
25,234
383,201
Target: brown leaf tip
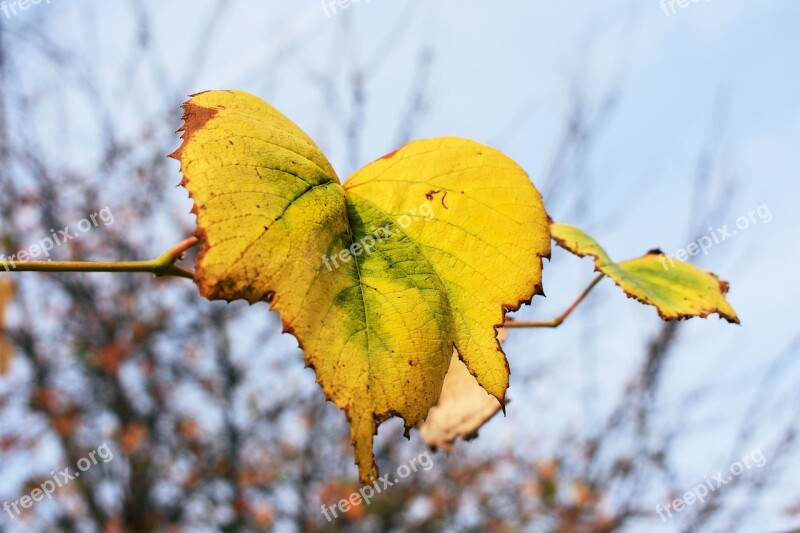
723,286
195,118
390,154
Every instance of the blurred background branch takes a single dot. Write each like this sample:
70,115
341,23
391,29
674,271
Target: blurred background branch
215,424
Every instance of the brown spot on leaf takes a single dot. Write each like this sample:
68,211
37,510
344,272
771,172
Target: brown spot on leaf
431,194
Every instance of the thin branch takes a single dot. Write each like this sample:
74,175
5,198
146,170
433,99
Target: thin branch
511,323
164,265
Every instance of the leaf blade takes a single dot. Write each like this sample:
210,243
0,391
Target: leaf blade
458,182
677,290
378,327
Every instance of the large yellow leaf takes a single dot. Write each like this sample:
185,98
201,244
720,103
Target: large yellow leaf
446,234
677,290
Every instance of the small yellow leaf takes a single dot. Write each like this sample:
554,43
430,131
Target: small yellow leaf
420,252
678,290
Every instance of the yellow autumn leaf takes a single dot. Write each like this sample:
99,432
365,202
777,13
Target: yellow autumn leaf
676,289
419,252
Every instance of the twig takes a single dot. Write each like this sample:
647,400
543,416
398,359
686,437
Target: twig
511,323
164,265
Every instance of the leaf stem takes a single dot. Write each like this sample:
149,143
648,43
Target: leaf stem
511,323
163,265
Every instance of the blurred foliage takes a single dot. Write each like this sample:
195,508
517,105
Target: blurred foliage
213,430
